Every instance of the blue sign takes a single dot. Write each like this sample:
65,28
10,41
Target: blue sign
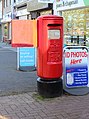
76,65
27,56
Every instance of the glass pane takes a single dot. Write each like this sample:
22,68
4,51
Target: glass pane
75,26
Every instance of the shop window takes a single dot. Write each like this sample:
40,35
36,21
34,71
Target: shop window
5,31
14,1
76,27
5,37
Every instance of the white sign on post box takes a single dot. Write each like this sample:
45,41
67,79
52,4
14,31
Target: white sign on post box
46,1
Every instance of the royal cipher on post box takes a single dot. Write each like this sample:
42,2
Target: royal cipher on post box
49,47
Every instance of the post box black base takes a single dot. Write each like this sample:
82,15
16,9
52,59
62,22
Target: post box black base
50,88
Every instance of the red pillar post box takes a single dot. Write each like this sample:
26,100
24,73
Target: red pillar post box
49,54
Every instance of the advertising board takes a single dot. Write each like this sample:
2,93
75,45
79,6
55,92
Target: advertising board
26,58
71,4
76,68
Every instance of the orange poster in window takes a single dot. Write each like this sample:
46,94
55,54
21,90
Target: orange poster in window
24,33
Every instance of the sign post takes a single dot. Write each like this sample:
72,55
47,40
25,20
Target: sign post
54,8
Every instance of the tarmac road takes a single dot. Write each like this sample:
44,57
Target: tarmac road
11,79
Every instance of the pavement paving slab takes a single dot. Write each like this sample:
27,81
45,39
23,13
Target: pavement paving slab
29,106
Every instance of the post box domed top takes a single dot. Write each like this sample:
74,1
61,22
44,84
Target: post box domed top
49,17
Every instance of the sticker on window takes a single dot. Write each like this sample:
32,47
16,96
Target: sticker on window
53,34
